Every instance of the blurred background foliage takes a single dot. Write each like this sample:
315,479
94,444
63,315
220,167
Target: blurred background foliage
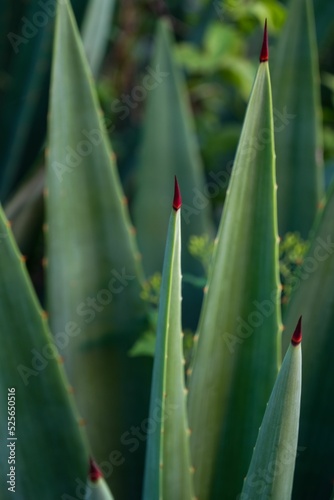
217,47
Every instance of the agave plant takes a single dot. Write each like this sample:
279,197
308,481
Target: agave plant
91,413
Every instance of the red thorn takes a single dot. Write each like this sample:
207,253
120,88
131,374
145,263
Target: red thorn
94,471
297,334
177,201
264,56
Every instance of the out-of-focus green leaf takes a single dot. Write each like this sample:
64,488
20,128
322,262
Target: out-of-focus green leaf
39,426
95,31
94,272
296,97
25,88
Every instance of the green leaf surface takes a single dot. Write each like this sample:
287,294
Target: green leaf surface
297,111
167,471
236,359
270,474
94,271
313,297
45,445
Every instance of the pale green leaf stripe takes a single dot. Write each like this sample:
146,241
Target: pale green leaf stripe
167,474
271,470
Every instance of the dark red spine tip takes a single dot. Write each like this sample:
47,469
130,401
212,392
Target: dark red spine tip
94,471
297,334
177,201
264,56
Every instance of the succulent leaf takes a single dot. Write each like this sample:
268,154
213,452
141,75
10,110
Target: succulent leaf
270,474
313,297
168,473
296,96
42,439
238,333
94,271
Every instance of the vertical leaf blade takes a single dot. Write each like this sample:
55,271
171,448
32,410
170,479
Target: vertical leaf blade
270,474
313,297
235,362
296,95
95,31
45,418
94,271
167,473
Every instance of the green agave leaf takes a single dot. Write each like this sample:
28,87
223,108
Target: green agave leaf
94,272
236,360
95,31
296,97
167,472
25,97
26,94
313,297
270,474
45,445
169,147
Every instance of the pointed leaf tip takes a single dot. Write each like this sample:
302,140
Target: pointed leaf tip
264,56
94,471
177,201
297,334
